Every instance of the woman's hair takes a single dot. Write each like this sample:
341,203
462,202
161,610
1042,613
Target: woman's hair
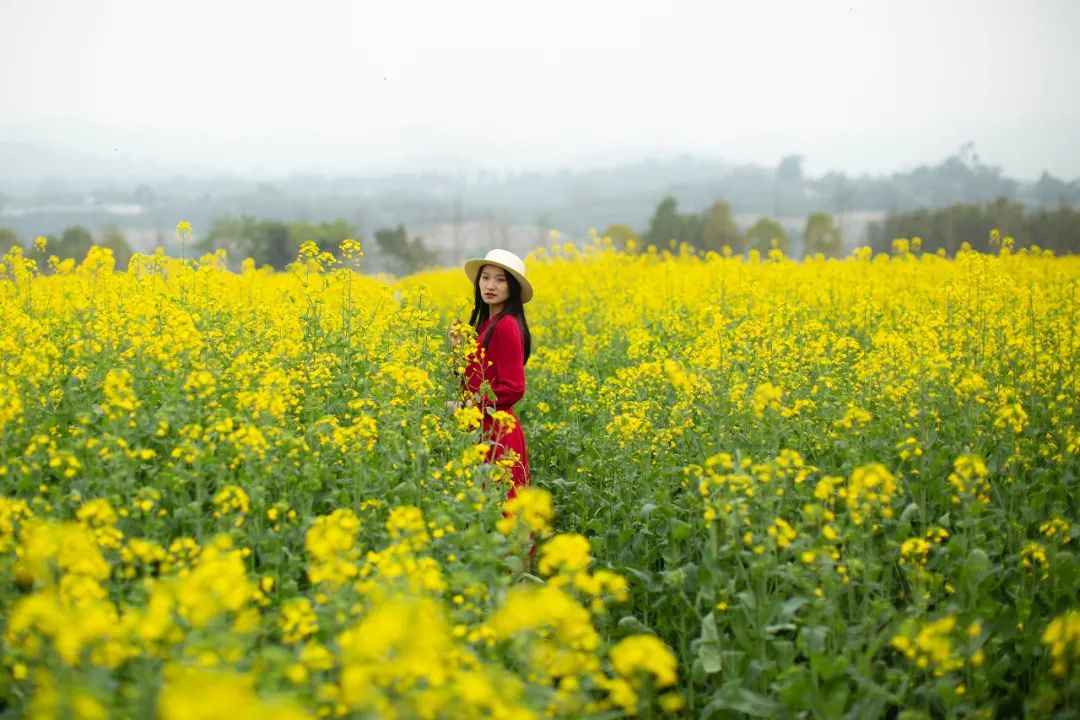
513,307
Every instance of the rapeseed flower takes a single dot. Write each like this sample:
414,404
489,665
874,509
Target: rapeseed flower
645,653
532,507
298,620
134,405
1062,636
331,542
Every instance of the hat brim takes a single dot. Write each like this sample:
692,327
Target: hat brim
472,269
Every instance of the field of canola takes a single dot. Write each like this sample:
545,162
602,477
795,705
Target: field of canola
835,488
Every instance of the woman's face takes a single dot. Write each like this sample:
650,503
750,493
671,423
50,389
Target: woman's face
494,287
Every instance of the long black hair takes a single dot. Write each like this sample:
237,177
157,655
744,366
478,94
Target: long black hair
513,306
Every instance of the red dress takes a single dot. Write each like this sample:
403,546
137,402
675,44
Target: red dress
503,366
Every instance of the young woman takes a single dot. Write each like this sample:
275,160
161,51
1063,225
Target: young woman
503,345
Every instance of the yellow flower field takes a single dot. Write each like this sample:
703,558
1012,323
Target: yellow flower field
762,487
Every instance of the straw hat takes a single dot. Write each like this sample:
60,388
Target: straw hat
506,260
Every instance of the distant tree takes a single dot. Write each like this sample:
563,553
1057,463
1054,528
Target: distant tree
840,192
1057,230
821,236
236,236
961,177
766,234
620,235
691,226
273,245
403,256
949,227
74,242
393,242
790,169
267,242
420,256
665,224
718,229
8,239
113,239
1051,192
327,235
668,224
788,192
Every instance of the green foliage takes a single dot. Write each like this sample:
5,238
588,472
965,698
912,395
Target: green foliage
275,244
948,228
327,235
113,239
718,229
74,243
77,240
8,239
799,631
404,256
666,224
837,490
790,169
272,242
710,230
621,234
821,236
766,234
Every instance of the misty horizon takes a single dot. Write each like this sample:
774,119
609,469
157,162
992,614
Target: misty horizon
26,163
261,90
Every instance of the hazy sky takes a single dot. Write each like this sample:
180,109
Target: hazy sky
336,85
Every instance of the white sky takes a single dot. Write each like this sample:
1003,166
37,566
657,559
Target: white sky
336,85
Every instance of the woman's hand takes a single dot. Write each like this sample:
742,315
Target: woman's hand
456,334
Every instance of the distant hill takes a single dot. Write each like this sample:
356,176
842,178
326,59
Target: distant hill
44,189
31,163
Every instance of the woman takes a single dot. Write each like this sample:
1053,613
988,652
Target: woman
503,345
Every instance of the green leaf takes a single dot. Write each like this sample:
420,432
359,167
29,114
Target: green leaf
791,606
681,530
909,511
828,666
975,569
630,624
811,639
709,649
739,699
697,672
647,579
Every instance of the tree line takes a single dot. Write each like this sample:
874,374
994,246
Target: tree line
75,241
715,230
268,242
948,228
275,243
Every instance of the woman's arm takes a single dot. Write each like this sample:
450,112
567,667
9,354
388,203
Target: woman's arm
507,356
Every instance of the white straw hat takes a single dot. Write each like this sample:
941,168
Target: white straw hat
506,260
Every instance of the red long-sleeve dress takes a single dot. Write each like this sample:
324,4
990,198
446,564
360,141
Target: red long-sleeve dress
502,364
